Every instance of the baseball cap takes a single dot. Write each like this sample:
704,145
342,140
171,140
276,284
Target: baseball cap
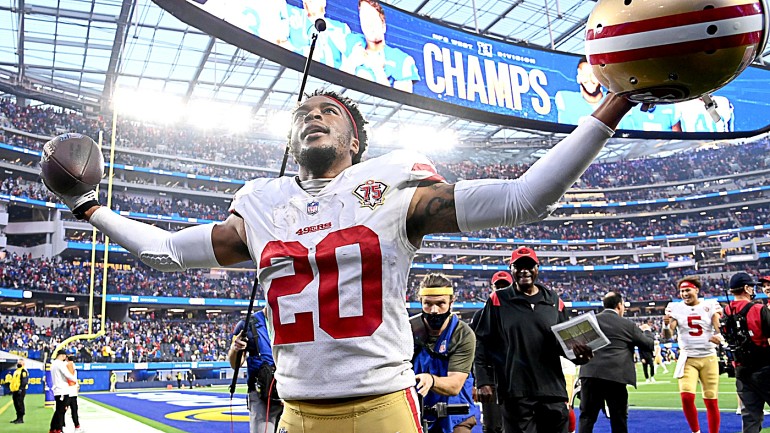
741,279
762,279
522,252
502,275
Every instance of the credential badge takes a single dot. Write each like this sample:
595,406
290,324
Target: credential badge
371,194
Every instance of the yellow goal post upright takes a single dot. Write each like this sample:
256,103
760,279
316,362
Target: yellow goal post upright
105,265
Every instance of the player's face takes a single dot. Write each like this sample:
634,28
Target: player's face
766,287
587,79
372,25
524,272
436,304
689,295
321,134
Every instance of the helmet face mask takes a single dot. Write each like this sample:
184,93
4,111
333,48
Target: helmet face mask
665,51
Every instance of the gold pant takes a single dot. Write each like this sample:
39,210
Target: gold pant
706,370
389,413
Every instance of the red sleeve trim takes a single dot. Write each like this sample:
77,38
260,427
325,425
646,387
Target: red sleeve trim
430,169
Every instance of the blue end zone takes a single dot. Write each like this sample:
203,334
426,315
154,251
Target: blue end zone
204,412
190,411
657,421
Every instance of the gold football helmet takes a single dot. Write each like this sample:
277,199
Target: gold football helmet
663,51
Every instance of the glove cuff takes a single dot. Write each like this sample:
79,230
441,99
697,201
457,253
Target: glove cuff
80,211
80,204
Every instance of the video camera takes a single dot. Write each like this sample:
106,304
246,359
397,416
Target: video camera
443,410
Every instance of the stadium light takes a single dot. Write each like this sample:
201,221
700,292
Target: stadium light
425,138
207,114
278,123
150,106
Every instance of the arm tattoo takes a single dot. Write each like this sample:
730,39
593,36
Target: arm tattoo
438,204
436,213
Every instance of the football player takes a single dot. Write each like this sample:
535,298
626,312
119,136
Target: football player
333,248
697,324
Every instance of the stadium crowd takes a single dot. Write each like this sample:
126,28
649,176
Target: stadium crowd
144,338
210,146
73,277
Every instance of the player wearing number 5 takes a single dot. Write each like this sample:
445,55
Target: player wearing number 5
333,248
697,324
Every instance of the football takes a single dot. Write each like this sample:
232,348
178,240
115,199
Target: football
71,164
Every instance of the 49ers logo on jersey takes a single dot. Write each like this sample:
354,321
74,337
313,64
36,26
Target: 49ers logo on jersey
371,193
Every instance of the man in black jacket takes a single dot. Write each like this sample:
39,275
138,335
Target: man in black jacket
493,416
604,379
516,326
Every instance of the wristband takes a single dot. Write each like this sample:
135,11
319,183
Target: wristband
80,211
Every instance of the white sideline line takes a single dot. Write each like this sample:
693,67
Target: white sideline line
97,419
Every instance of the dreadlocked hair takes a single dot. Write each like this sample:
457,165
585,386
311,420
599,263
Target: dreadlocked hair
358,118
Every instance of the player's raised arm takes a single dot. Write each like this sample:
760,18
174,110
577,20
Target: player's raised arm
68,156
479,204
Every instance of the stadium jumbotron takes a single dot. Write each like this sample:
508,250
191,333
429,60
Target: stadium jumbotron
189,100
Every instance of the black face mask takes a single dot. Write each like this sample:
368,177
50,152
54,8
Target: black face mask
18,365
435,321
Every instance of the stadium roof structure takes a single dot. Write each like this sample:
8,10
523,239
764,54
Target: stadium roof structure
78,52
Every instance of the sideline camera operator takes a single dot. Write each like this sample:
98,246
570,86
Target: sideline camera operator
752,362
264,406
443,357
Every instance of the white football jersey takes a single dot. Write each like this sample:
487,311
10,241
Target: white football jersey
694,326
334,270
695,118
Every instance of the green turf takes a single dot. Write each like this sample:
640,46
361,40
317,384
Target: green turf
664,394
37,419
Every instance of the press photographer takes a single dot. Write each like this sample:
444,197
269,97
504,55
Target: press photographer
748,343
264,405
443,357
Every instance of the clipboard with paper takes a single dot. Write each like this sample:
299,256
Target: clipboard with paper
580,330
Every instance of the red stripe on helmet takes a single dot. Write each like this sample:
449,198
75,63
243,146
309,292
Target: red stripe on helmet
676,20
683,48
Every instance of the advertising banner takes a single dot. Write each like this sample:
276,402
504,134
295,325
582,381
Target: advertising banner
460,73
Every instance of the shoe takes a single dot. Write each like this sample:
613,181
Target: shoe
647,380
652,380
14,421
738,411
78,429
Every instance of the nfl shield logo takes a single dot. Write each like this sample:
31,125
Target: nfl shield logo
312,208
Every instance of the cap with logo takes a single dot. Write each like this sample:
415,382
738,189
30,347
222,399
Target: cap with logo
741,279
524,252
502,276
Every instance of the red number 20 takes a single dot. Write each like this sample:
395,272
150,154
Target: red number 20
328,288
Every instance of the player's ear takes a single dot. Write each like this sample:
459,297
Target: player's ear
354,146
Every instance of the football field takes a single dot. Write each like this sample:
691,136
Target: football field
655,408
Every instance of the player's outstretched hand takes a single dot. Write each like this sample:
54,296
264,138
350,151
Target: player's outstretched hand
612,109
72,166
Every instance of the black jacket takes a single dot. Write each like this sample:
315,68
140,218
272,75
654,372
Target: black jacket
616,361
511,329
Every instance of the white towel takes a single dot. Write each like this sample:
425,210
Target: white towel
679,372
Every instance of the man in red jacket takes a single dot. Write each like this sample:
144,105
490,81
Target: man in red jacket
752,371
